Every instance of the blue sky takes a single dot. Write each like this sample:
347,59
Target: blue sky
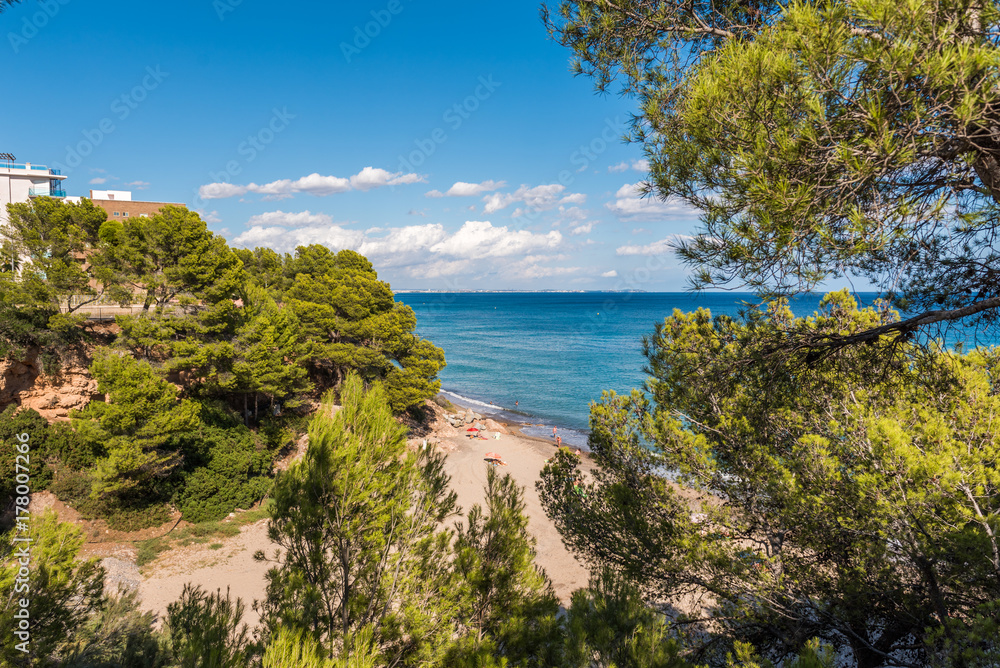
450,144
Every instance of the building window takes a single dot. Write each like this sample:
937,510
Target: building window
142,215
126,214
116,213
110,196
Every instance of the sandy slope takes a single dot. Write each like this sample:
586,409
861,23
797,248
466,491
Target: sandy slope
233,566
525,458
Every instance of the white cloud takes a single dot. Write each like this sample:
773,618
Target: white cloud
402,240
463,189
609,274
575,198
375,177
582,229
286,239
434,193
98,181
545,271
283,219
629,205
482,239
138,185
641,165
572,214
313,184
210,217
425,251
539,198
661,247
220,190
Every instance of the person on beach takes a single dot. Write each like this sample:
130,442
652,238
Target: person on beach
559,441
553,432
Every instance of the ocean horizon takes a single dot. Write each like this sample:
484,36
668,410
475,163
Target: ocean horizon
540,358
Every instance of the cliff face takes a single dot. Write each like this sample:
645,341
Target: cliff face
24,383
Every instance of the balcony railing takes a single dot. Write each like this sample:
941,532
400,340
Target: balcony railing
39,168
46,192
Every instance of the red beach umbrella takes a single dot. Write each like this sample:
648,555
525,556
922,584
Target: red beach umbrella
491,455
471,429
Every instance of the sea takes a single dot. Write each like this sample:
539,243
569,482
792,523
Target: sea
540,358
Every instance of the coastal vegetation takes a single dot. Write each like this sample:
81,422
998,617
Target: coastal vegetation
817,140
211,365
794,491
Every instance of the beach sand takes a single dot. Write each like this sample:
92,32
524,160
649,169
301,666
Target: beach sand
232,566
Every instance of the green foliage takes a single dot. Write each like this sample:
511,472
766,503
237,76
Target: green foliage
358,519
118,635
862,511
296,649
63,591
511,603
818,139
264,266
227,469
172,254
25,330
136,427
207,631
353,323
36,427
268,357
608,624
58,239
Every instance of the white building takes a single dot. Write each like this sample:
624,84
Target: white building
21,182
116,195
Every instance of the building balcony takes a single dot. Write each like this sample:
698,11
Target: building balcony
46,192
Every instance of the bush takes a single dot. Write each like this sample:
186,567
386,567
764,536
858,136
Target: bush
40,475
443,402
125,514
231,470
71,487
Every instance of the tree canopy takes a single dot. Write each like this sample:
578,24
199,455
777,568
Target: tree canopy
818,140
828,506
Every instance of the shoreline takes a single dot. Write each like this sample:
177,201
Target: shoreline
516,429
230,564
572,436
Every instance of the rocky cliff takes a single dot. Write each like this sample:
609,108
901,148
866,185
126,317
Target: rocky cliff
25,382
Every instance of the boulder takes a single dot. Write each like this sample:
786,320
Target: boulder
493,425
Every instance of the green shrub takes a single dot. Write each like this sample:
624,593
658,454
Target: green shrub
231,469
71,487
125,515
149,550
39,474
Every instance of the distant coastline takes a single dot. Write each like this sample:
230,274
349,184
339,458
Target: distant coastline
518,292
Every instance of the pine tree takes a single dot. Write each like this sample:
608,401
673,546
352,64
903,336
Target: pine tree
357,520
511,603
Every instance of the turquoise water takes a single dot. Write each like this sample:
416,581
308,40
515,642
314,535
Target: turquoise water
553,353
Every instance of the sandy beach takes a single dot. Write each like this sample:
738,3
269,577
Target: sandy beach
232,566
